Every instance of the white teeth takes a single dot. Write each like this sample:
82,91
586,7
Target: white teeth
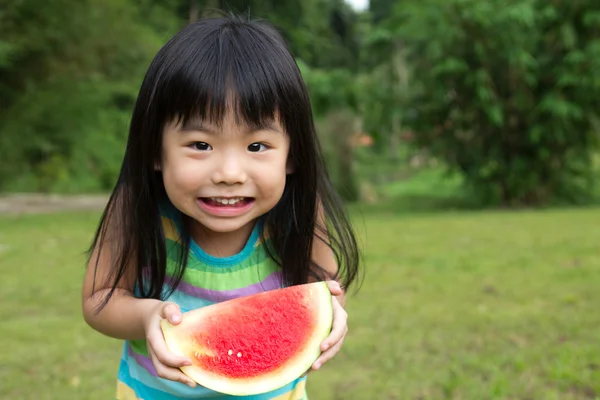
227,201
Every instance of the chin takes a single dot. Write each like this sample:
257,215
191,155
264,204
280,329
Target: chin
224,226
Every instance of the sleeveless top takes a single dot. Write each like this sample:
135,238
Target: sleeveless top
206,280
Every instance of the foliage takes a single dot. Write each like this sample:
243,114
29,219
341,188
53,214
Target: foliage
507,93
67,88
69,74
503,93
337,130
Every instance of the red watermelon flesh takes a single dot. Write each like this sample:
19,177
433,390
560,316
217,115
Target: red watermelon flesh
254,344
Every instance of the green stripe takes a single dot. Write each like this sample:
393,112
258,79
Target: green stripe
139,347
238,278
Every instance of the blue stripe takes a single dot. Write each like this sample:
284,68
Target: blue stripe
147,386
169,211
143,391
162,389
213,261
187,302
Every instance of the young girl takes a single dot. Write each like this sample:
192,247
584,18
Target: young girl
222,193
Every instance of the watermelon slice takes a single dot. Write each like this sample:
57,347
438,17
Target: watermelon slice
253,344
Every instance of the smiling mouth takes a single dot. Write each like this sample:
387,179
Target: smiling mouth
229,202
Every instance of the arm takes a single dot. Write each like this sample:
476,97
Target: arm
323,256
122,318
127,317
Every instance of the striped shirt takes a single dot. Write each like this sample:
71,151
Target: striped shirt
207,280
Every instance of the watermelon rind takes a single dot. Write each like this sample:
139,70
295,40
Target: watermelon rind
177,339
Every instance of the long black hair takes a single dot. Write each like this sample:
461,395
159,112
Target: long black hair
196,74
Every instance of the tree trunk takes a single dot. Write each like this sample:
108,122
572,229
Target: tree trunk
395,138
193,11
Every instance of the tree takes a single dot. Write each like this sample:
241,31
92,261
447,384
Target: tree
69,73
507,93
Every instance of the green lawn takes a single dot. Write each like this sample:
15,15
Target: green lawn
471,305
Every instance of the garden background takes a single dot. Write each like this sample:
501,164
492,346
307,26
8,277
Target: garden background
463,134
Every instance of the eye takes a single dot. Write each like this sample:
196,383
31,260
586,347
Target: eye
256,147
201,146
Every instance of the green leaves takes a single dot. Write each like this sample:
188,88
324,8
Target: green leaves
506,92
69,77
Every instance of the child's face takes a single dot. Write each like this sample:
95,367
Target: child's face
225,177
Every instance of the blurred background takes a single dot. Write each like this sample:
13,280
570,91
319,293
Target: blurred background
463,134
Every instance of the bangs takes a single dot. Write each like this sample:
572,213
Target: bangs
225,66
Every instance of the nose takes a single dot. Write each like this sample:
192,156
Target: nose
229,169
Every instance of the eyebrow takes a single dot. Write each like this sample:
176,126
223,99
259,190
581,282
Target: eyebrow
199,126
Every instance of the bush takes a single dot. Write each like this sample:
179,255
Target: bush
507,93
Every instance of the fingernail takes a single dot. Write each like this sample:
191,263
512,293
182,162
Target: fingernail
325,347
317,366
175,318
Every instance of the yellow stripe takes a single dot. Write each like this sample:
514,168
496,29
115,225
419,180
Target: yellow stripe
298,393
124,392
170,229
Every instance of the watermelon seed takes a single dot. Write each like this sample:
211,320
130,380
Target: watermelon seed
230,352
239,354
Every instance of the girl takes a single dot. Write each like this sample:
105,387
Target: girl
222,193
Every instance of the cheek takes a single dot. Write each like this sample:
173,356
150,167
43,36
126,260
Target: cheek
180,176
272,180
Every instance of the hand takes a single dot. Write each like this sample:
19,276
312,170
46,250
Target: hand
334,341
166,363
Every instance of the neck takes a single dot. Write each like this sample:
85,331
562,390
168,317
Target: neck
221,244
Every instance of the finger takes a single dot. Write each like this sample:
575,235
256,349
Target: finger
338,328
335,288
327,355
155,341
171,312
334,337
172,374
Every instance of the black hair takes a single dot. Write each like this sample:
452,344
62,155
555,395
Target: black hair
208,66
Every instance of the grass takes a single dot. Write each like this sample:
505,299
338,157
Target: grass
457,305
426,190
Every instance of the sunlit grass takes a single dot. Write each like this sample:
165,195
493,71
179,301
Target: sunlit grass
478,305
